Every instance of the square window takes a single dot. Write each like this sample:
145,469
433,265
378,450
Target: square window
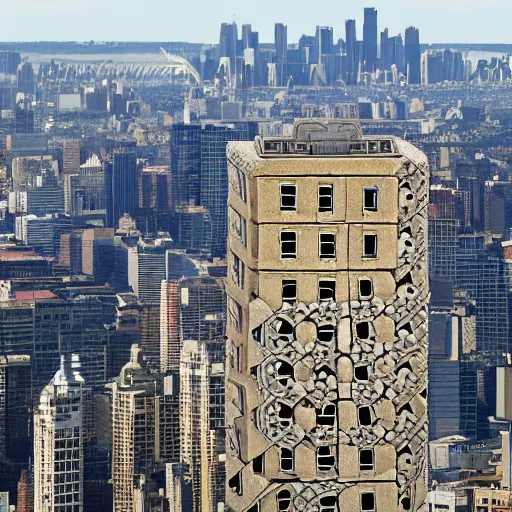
363,330
365,288
324,459
325,199
288,197
327,245
289,290
361,373
367,502
286,460
370,245
364,414
366,462
289,245
326,417
370,199
326,290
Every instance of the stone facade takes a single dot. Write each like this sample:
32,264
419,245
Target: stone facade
327,386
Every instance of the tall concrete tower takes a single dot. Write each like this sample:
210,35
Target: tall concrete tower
327,322
58,441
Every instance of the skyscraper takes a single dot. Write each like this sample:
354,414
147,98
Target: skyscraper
413,55
370,39
71,156
228,42
142,408
281,43
58,441
121,186
352,57
327,312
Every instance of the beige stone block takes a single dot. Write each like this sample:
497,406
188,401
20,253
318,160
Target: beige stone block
347,415
348,462
305,417
344,336
305,332
384,329
384,285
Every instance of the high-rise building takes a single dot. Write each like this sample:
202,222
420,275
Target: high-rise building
281,43
200,396
352,57
26,79
370,39
58,441
145,430
199,177
228,43
121,186
413,55
327,303
155,189
71,156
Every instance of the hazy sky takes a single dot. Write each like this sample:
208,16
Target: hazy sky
465,21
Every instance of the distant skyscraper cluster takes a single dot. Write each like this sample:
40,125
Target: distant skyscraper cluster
319,59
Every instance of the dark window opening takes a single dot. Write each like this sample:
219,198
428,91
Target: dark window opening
328,504
284,372
288,197
361,372
363,330
326,417
289,244
285,415
286,459
284,500
325,333
325,199
327,245
370,199
235,484
289,290
326,290
258,464
285,327
368,501
365,288
406,503
366,462
324,460
365,416
370,245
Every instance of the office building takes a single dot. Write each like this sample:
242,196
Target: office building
121,186
70,156
281,43
59,423
327,302
26,79
155,190
370,39
413,55
142,407
352,55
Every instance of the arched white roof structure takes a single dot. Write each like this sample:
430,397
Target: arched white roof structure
181,64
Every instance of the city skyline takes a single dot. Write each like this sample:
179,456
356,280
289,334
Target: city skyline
171,24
